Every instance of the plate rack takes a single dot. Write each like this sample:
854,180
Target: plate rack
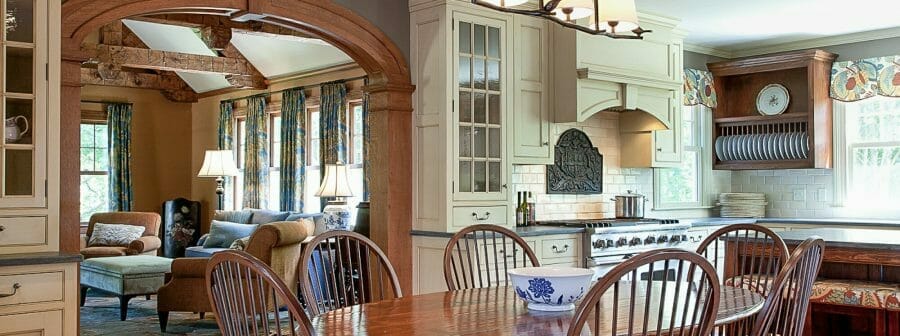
800,137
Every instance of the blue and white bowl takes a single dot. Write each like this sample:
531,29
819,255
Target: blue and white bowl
551,288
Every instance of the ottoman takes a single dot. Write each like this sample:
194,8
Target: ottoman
125,277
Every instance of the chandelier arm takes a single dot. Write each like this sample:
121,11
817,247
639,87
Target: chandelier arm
511,10
547,12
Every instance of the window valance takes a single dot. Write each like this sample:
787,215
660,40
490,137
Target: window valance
699,88
861,79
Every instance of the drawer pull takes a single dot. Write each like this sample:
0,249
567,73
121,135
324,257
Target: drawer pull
557,250
486,216
2,228
16,287
508,256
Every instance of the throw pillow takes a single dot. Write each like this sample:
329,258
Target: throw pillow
240,244
222,234
115,234
317,218
261,216
237,216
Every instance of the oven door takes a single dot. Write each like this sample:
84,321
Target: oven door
603,264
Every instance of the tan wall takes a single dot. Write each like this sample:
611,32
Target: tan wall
161,144
204,131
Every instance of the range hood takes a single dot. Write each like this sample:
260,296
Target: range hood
640,78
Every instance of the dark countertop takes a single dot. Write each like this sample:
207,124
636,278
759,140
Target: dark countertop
527,231
40,258
848,238
718,221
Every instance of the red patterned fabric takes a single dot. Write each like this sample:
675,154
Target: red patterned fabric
867,294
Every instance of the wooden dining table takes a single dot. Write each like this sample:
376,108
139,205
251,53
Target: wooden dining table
492,311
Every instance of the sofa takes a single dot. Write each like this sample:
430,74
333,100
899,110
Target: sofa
250,217
276,244
147,244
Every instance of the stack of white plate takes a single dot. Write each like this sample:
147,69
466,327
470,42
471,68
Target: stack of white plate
742,204
769,146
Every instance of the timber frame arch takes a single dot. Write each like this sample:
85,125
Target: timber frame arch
390,103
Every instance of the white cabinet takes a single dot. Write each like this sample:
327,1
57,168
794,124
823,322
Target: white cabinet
531,112
462,66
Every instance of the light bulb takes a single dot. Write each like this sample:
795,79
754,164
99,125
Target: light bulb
505,3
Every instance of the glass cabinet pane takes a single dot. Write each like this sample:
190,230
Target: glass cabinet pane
494,143
465,37
19,167
480,177
465,176
493,75
465,106
479,107
494,109
480,136
479,40
465,72
479,73
19,70
494,176
494,42
465,141
18,121
19,22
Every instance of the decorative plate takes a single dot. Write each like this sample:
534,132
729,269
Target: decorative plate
772,100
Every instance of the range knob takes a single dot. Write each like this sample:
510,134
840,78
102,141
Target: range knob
662,239
636,241
622,241
650,240
676,238
610,243
599,243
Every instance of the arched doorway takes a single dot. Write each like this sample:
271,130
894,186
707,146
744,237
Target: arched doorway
390,99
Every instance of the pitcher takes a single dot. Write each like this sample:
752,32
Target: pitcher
12,131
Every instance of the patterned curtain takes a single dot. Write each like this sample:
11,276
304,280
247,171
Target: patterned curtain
119,128
293,153
226,141
861,79
333,124
699,88
256,155
366,139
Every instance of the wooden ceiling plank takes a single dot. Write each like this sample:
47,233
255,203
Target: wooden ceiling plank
168,61
177,89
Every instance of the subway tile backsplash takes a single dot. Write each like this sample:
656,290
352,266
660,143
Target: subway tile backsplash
791,192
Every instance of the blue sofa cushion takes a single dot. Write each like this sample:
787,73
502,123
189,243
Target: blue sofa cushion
238,216
222,234
261,216
201,252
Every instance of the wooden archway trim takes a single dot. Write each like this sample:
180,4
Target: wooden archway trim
390,103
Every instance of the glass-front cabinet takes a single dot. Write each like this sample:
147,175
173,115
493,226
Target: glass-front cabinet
479,108
24,96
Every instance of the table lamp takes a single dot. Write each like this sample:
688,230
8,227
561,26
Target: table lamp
218,164
336,184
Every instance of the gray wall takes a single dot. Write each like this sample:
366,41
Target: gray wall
391,16
698,61
859,50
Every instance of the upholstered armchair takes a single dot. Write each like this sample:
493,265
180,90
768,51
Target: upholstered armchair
147,244
276,244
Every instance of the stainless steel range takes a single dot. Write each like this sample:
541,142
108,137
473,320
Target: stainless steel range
609,242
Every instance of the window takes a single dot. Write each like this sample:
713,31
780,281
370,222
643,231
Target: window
313,172
94,170
681,187
871,152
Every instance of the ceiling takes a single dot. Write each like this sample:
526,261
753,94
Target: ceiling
273,56
735,26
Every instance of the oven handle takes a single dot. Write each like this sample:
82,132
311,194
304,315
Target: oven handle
608,260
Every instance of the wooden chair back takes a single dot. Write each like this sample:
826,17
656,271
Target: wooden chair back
248,298
785,310
758,255
478,256
341,269
685,303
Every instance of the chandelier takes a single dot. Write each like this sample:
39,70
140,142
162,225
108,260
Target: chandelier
610,18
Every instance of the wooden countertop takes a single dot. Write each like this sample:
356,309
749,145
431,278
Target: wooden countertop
40,258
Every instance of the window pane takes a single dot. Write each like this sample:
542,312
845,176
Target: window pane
358,121
358,149
101,155
101,136
274,202
680,185
87,159
313,123
94,195
87,135
276,154
874,119
875,175
314,153
311,202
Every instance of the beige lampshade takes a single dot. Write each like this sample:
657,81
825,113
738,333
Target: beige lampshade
580,9
505,3
335,183
621,11
218,163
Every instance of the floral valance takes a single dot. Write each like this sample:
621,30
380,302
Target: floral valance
861,79
699,88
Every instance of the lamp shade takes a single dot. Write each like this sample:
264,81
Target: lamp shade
622,12
335,183
506,3
571,10
218,163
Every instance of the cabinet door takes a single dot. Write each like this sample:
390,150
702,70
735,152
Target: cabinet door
32,324
667,145
480,103
24,103
530,115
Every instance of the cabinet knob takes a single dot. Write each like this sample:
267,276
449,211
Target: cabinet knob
546,143
659,149
15,289
2,228
505,186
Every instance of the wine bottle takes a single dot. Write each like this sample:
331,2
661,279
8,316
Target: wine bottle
531,216
521,209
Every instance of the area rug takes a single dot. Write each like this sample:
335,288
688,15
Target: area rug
100,316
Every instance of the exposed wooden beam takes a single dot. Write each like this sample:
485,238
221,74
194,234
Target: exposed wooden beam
200,21
116,33
141,58
171,85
